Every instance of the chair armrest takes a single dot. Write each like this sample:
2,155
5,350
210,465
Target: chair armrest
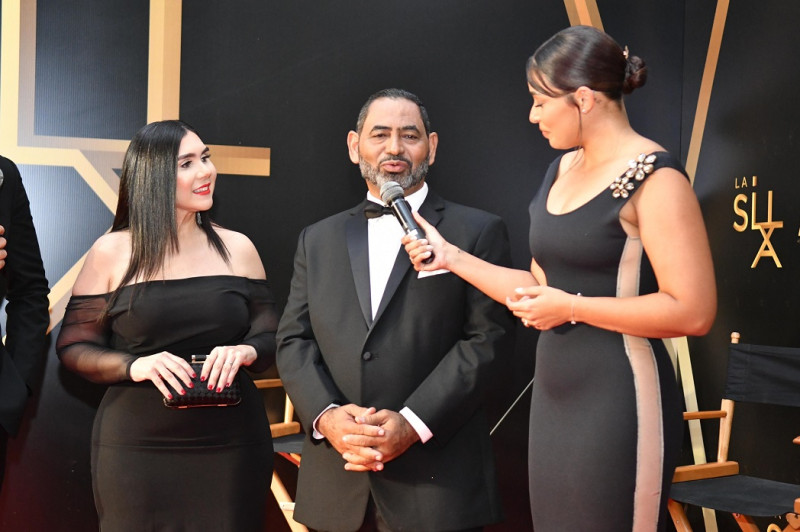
705,414
263,384
284,429
701,471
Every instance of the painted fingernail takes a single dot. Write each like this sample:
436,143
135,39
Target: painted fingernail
203,379
169,396
210,387
219,389
191,385
183,392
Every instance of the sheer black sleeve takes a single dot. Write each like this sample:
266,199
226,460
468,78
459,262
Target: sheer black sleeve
83,343
263,324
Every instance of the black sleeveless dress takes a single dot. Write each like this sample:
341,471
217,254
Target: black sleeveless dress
605,425
160,469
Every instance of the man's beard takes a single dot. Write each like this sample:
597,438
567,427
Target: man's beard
406,180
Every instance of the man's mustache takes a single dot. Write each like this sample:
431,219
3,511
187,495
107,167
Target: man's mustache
395,158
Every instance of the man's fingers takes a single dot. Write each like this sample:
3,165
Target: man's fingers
350,467
362,455
377,466
367,429
362,440
358,462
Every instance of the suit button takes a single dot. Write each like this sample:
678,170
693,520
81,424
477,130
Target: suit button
366,355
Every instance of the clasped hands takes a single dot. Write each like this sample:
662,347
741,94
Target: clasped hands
541,307
365,437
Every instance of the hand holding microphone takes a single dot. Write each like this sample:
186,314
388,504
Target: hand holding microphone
392,194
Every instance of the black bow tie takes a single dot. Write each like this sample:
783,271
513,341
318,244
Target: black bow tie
373,210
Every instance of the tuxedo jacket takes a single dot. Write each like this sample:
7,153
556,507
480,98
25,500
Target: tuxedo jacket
24,287
430,348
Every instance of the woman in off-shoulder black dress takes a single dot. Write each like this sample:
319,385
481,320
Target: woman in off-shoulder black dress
136,316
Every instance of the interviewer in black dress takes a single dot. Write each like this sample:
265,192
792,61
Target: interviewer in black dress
620,260
164,284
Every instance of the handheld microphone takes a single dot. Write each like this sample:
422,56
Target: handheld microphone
392,194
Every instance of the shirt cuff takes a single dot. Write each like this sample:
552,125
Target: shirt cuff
317,435
422,429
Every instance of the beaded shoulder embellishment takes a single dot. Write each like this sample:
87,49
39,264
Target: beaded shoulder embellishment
638,169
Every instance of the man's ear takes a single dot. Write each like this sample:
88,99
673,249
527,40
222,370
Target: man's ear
352,147
433,141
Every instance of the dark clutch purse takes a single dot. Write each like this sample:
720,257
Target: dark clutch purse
200,395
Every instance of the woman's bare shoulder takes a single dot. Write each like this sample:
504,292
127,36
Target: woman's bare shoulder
245,260
105,264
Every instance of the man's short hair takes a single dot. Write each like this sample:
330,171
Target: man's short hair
394,94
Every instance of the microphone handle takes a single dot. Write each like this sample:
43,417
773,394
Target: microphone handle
402,211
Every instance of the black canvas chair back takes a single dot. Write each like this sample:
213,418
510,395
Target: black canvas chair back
763,374
757,374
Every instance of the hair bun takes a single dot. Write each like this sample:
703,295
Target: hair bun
635,73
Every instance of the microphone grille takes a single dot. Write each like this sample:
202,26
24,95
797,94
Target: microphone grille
390,191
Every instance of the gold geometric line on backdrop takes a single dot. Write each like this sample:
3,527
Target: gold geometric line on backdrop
164,62
681,345
704,99
95,159
583,13
586,12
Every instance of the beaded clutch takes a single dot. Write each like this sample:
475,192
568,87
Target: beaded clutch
200,395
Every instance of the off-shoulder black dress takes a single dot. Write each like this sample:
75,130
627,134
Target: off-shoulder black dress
155,468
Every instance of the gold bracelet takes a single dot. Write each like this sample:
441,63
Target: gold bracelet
572,309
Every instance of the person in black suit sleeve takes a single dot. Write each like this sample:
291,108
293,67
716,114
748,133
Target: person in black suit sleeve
387,368
24,286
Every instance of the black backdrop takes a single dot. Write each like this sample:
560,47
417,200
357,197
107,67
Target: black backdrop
291,76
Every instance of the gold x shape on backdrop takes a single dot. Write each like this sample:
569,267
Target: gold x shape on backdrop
95,159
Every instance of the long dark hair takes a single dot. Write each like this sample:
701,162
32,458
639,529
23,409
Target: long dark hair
584,56
146,205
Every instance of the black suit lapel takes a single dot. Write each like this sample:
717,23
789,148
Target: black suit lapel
431,209
401,266
358,249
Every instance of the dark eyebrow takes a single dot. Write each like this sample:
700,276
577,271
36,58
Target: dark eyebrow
188,155
387,128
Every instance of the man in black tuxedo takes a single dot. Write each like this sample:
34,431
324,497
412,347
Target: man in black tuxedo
386,366
24,286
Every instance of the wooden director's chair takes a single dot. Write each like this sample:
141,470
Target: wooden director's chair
287,441
756,374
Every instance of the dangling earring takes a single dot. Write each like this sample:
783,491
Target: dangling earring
198,219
